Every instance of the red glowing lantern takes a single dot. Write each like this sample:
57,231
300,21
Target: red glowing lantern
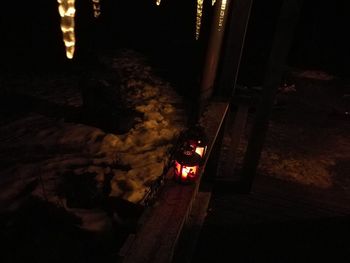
187,165
197,140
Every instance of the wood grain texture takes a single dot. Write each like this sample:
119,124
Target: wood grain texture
157,237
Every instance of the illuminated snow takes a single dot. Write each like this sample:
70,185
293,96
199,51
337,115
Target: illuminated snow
45,148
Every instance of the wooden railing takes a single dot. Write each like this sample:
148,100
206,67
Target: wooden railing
161,225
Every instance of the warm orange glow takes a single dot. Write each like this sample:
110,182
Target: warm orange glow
97,8
66,10
185,173
222,14
199,17
200,150
188,171
177,168
158,2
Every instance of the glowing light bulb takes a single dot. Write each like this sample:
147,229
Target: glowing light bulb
97,8
67,10
199,17
213,2
222,14
158,2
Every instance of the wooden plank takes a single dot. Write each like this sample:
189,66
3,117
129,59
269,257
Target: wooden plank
236,135
212,55
189,236
157,237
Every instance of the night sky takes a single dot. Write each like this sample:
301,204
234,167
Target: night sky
31,36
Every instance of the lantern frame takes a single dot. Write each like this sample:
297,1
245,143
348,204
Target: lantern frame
186,165
197,139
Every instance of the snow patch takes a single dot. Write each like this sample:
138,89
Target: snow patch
39,153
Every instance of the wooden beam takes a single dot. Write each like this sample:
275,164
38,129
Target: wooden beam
236,135
276,64
213,51
157,237
237,23
190,234
233,48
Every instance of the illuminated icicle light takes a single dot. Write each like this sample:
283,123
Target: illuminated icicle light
222,14
158,2
66,10
97,8
213,2
199,17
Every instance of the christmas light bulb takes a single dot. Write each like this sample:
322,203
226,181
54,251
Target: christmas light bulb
66,10
199,17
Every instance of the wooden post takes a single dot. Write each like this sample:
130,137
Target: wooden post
214,159
237,28
236,135
213,52
276,64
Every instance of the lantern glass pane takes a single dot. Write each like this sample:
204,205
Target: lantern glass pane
189,171
200,150
185,172
177,168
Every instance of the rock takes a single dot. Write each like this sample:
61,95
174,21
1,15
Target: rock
104,105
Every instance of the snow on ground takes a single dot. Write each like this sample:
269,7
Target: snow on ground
63,161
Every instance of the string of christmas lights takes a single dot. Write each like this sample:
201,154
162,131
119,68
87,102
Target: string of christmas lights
66,9
199,17
67,12
97,8
222,14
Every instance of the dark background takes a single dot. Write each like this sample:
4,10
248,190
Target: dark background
31,35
